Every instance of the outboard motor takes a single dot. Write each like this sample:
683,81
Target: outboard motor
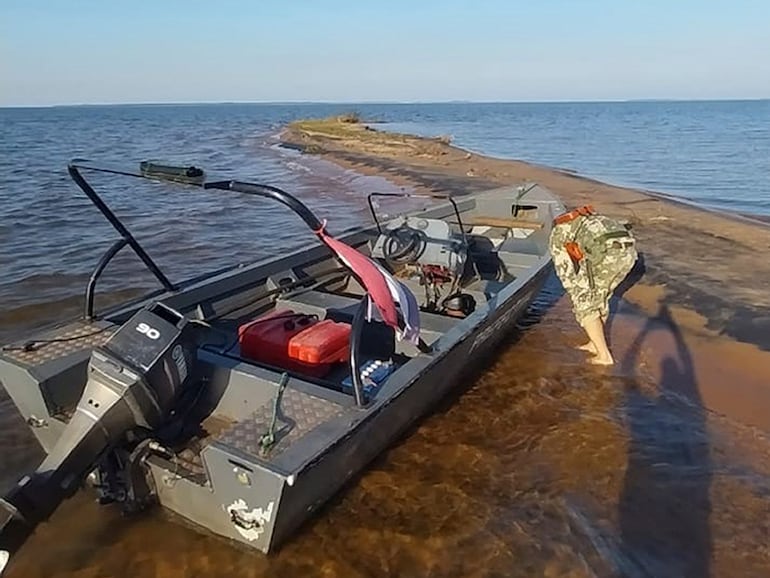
134,381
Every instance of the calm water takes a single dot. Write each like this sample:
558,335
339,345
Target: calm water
51,236
542,468
711,153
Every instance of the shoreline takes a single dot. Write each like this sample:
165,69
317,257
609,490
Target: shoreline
287,139
741,216
703,265
748,216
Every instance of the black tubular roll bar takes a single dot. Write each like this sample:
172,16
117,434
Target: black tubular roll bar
106,258
357,327
120,228
416,196
193,176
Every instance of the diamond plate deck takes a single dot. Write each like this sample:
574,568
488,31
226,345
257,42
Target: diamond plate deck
298,414
70,338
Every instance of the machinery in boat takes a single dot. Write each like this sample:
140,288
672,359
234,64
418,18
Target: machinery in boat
242,400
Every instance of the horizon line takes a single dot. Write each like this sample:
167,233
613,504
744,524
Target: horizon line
380,102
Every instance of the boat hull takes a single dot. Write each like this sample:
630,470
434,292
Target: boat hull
256,449
285,501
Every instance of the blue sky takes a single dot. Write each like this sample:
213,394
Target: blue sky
355,51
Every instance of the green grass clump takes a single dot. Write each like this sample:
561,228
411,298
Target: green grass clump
334,126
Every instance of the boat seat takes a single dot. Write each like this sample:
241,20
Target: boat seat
501,223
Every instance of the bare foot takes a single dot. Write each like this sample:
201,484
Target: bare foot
601,360
589,347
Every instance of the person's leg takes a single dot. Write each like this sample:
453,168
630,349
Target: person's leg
587,302
586,305
597,345
588,346
608,276
565,271
588,313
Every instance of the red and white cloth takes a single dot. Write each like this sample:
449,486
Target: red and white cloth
387,293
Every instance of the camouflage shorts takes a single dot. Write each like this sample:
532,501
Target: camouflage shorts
587,301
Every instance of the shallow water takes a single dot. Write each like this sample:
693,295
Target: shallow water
540,466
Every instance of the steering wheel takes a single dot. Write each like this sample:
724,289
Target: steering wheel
404,245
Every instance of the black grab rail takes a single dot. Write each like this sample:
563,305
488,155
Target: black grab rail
416,196
91,287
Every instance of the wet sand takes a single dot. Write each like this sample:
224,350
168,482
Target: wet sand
542,465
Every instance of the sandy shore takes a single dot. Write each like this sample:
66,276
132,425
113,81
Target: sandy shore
708,268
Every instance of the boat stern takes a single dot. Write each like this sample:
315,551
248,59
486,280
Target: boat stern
238,498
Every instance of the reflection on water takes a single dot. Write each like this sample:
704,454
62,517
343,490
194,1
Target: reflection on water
543,466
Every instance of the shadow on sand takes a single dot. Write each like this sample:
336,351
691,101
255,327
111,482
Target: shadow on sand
665,504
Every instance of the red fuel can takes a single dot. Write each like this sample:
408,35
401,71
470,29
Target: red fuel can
266,338
325,342
295,342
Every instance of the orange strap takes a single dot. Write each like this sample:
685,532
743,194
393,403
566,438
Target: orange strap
574,251
567,217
